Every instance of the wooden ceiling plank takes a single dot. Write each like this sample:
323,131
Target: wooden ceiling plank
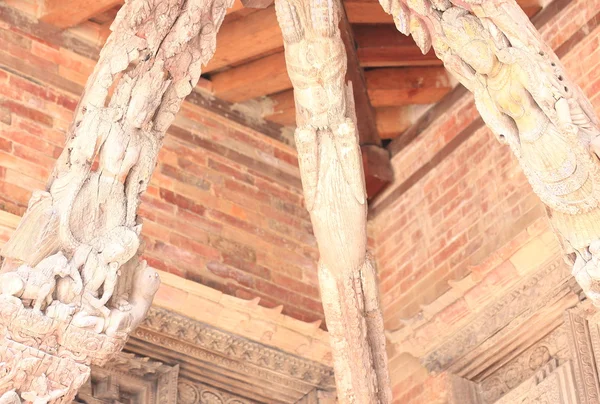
246,38
68,13
261,77
408,85
393,121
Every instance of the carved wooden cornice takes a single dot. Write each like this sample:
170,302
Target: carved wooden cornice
440,350
174,359
243,317
170,330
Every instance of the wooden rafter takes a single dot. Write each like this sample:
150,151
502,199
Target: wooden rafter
262,36
366,12
263,76
68,13
383,46
406,86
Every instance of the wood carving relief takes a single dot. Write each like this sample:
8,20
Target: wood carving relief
72,286
334,190
198,393
132,379
529,103
552,384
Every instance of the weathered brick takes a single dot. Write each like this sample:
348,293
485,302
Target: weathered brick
181,201
27,112
5,116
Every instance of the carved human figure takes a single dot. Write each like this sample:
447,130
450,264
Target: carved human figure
39,283
100,263
334,190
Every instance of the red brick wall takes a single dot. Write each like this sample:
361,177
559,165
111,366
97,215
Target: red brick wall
465,209
224,207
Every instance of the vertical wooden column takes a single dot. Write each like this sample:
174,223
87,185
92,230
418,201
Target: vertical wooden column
72,286
334,189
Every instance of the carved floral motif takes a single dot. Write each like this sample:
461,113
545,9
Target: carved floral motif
198,393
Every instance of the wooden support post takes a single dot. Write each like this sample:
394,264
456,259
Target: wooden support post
332,176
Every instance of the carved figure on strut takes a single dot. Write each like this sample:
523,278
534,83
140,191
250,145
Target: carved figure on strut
521,96
39,283
330,163
100,263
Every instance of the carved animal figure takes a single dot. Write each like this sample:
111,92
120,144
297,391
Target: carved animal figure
145,285
36,283
10,397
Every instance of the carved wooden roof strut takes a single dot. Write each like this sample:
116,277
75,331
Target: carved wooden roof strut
72,285
334,188
529,102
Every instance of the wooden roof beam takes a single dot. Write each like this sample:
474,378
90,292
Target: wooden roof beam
68,13
365,113
263,38
376,160
407,85
263,76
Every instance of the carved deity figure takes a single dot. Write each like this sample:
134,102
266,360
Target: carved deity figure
546,127
527,100
333,180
